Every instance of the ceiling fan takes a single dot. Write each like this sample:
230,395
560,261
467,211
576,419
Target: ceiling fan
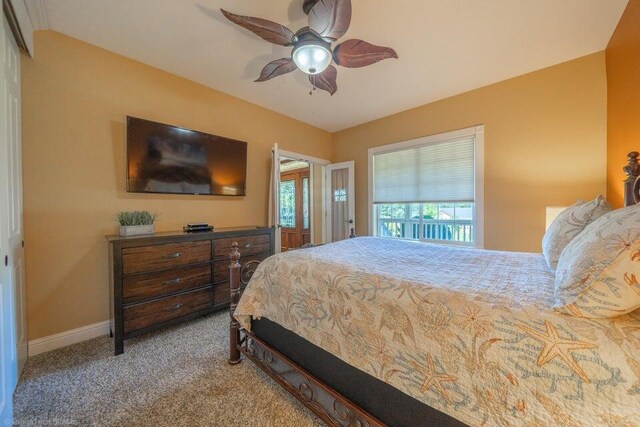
312,51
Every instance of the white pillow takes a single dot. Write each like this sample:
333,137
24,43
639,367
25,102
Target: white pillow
568,225
598,271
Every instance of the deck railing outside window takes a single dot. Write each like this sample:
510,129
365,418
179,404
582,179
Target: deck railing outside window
450,222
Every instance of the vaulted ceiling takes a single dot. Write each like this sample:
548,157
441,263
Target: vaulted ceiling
446,47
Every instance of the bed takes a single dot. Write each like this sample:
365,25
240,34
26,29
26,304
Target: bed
377,332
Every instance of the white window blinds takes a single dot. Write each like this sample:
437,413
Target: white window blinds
435,172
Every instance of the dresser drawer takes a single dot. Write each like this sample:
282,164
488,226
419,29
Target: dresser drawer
173,277
248,245
160,257
221,268
145,314
222,292
149,285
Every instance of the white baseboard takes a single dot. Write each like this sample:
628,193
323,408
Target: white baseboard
63,339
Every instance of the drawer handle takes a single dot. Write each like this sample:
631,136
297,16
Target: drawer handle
173,307
248,245
175,255
174,281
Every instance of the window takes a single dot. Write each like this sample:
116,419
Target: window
340,195
305,203
288,204
429,189
426,221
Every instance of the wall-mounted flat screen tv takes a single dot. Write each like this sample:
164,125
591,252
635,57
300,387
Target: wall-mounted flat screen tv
168,159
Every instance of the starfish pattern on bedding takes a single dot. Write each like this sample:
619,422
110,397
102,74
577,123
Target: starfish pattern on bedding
432,379
554,346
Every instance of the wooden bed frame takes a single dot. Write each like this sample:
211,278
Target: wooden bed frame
325,402
632,183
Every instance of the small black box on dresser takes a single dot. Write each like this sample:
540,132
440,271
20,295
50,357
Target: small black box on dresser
167,278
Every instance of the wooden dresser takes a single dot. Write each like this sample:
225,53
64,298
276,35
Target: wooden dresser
167,278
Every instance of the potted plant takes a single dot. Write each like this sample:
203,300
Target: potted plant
136,223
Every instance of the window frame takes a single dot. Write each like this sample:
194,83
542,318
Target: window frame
477,132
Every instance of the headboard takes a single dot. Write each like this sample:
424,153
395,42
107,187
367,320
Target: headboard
632,183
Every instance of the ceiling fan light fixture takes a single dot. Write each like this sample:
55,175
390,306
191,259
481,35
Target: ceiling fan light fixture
313,52
312,57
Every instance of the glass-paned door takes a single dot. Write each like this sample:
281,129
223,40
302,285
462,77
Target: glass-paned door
340,201
294,208
288,203
305,203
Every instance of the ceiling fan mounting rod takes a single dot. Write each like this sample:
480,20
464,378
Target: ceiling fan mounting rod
308,5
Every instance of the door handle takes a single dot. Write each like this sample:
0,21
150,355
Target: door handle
349,221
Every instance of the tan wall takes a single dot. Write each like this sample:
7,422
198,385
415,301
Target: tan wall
75,98
545,145
623,86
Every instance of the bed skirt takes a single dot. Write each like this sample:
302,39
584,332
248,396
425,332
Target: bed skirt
386,403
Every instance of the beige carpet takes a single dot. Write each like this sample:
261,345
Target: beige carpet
174,377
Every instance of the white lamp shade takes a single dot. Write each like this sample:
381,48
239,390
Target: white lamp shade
312,58
552,213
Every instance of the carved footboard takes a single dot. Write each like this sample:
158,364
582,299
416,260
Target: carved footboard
632,183
325,402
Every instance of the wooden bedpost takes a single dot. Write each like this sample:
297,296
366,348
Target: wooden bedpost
234,285
632,183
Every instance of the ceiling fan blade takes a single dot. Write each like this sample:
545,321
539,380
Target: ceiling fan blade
277,68
330,18
268,30
358,53
326,80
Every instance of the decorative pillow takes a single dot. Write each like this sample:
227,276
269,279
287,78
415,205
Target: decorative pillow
598,271
568,225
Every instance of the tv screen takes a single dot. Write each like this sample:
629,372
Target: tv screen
168,159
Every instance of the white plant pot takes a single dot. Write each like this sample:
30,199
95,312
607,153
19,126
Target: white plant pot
136,230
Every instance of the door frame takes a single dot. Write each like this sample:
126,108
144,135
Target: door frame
313,162
351,165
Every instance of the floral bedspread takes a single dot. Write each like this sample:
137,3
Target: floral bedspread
468,332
